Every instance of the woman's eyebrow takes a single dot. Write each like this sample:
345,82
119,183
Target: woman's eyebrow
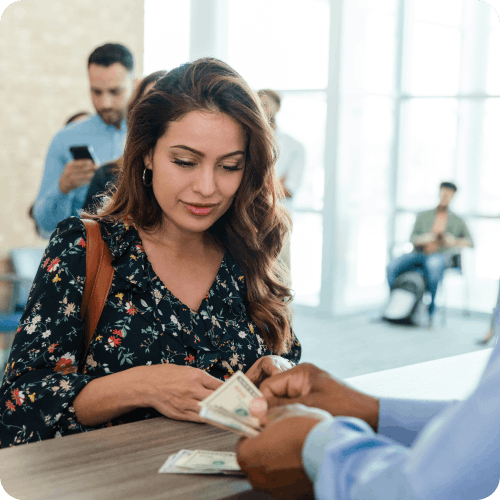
202,155
234,153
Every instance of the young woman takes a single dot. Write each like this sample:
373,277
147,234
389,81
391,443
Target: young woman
195,229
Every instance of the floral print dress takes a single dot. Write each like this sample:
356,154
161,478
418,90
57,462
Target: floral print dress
142,324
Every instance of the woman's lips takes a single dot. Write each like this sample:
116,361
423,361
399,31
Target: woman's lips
197,210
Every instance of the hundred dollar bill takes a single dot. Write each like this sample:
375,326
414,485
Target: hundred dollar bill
234,398
224,419
204,459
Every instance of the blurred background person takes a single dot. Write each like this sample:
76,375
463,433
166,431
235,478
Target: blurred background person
106,176
438,234
65,180
291,159
292,155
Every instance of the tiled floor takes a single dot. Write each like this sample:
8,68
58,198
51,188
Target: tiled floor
362,344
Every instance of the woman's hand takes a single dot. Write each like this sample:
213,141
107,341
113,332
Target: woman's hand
171,389
267,366
175,391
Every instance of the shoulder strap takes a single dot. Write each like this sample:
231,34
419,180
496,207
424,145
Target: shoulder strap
97,282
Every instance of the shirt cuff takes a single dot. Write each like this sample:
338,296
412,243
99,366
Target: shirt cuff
403,419
321,437
315,445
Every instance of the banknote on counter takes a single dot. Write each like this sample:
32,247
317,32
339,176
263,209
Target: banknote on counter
229,406
202,462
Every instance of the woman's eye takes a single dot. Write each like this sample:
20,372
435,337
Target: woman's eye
231,168
183,163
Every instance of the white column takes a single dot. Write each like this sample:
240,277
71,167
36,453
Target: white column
331,251
398,88
208,31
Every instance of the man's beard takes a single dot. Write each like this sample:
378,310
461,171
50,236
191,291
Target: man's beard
111,116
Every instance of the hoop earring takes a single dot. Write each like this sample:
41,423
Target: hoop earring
146,184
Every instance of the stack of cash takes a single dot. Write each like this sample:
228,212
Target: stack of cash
202,462
229,406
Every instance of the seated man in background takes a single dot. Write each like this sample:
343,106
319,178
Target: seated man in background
436,236
65,180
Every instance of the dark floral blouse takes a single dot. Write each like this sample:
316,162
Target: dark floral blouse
142,324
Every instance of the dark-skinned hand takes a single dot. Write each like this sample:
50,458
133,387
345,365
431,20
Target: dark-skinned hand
308,385
272,461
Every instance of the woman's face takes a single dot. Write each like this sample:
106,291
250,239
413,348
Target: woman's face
197,168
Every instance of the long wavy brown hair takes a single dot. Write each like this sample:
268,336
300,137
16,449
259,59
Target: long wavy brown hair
255,226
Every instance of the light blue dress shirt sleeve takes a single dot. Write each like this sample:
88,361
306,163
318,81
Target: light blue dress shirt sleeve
403,419
51,205
443,451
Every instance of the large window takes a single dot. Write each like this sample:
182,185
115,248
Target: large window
279,44
364,152
428,135
166,34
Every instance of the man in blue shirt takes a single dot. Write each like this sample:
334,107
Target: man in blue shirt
379,449
65,181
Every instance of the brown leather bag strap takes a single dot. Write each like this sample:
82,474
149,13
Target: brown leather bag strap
97,282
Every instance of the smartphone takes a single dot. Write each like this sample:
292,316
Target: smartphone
83,152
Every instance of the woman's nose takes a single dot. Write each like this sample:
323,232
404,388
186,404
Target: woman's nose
205,182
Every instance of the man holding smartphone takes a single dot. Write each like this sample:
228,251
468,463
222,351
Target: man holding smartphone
66,175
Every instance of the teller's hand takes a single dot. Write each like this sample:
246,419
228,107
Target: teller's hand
308,385
272,461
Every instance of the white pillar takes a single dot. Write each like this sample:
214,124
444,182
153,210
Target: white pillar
208,30
330,211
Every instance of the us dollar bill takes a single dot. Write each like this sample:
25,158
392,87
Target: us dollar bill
202,462
218,417
229,406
